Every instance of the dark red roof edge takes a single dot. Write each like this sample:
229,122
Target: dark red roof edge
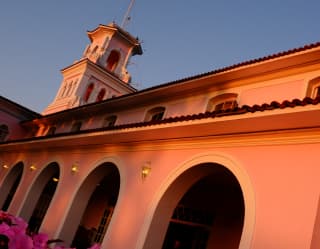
295,50
241,64
31,112
229,112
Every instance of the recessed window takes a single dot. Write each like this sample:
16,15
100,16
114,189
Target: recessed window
4,131
101,94
52,130
95,50
222,102
109,121
76,126
317,91
88,92
63,91
155,114
69,89
313,89
113,60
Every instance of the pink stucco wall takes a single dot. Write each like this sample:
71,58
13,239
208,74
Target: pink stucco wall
283,179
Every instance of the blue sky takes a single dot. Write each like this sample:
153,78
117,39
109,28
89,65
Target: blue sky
180,38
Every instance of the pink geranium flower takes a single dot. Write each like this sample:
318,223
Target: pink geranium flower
40,241
95,246
15,229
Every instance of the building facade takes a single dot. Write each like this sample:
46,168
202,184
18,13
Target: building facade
225,159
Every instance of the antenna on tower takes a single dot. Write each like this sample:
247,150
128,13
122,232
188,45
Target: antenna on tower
127,18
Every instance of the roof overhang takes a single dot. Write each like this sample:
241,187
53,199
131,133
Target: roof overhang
304,121
114,28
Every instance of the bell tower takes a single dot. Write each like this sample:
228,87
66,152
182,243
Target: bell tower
101,73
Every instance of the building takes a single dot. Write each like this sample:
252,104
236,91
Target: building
225,159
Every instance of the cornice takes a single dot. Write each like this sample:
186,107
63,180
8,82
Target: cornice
288,126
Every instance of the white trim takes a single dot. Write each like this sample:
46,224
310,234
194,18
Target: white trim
240,174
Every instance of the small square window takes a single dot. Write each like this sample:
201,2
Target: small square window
52,130
109,121
76,126
157,116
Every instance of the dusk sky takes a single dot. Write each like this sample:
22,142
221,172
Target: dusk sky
180,38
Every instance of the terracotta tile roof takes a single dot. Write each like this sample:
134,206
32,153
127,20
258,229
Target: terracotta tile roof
33,114
241,64
245,63
235,111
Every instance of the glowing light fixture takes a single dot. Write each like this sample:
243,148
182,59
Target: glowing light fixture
55,179
74,168
33,167
5,166
145,170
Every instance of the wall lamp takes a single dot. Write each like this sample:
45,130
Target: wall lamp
74,168
33,167
5,166
145,170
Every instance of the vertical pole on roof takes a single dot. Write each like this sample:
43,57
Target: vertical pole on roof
127,18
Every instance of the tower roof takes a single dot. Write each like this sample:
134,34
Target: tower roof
113,27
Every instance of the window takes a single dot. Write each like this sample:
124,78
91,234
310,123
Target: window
113,60
4,131
52,130
155,114
317,91
76,126
313,89
63,91
101,95
95,50
88,92
109,121
222,102
68,92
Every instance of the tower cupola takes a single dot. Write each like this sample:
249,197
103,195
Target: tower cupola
111,48
101,73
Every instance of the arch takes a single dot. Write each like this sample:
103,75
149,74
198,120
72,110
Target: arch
40,196
155,113
4,131
313,89
222,102
63,90
76,126
88,92
10,185
182,178
90,211
69,87
94,50
51,130
101,94
113,61
109,121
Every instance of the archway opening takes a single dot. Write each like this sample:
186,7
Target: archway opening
113,60
88,92
92,207
10,185
40,196
203,208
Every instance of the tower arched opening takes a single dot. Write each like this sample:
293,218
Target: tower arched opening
88,92
113,60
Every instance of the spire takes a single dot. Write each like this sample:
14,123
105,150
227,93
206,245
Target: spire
127,17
